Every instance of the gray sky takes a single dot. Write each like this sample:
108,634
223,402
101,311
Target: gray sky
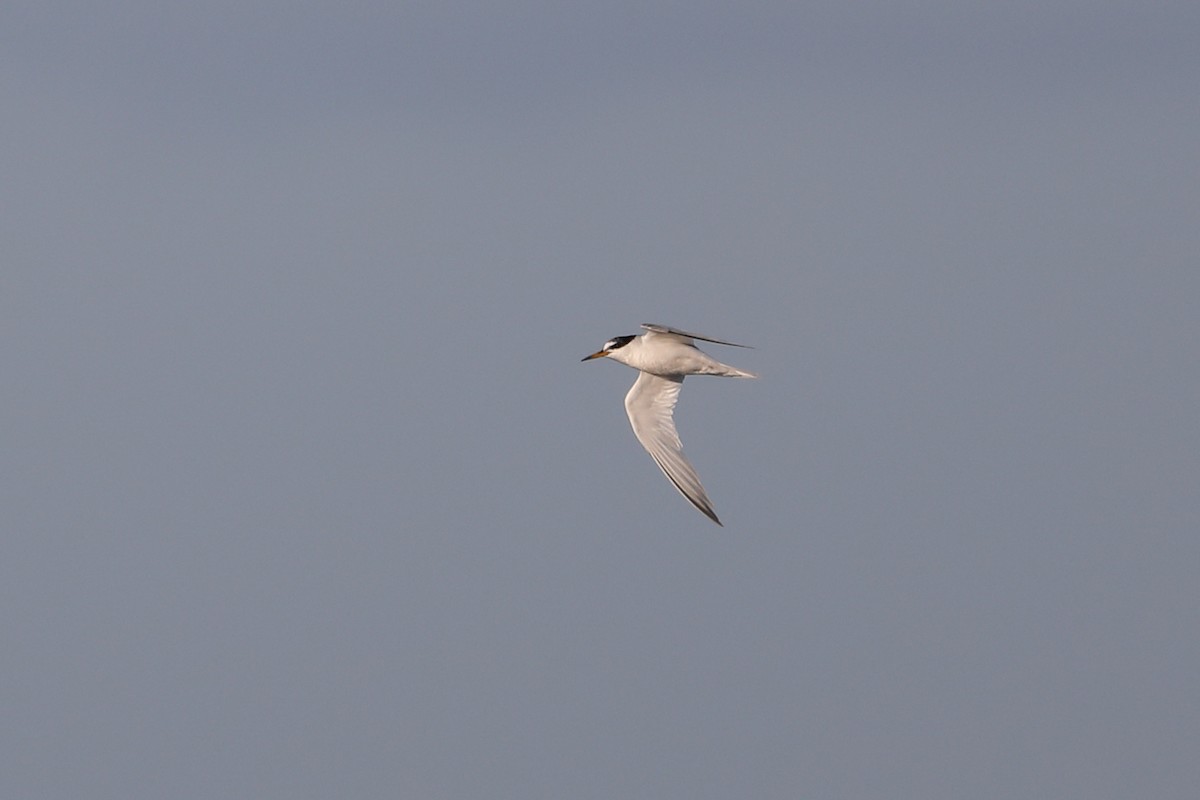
306,494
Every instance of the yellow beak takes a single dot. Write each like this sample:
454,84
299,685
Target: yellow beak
597,354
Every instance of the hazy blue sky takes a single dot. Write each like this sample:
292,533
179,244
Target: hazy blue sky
306,494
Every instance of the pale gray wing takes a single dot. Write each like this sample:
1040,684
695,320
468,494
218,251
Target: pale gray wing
650,405
684,336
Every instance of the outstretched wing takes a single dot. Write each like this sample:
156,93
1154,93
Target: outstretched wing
650,405
684,336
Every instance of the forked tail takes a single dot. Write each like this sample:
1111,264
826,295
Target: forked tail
726,371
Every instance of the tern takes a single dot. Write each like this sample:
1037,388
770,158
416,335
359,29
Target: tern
665,356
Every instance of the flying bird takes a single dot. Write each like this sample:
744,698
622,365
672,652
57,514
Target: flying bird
665,356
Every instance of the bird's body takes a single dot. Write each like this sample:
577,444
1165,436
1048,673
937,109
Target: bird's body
664,356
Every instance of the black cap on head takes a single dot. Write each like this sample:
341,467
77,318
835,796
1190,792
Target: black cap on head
618,342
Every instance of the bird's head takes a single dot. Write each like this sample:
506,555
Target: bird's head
615,343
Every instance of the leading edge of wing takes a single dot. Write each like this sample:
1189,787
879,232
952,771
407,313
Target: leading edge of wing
667,330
